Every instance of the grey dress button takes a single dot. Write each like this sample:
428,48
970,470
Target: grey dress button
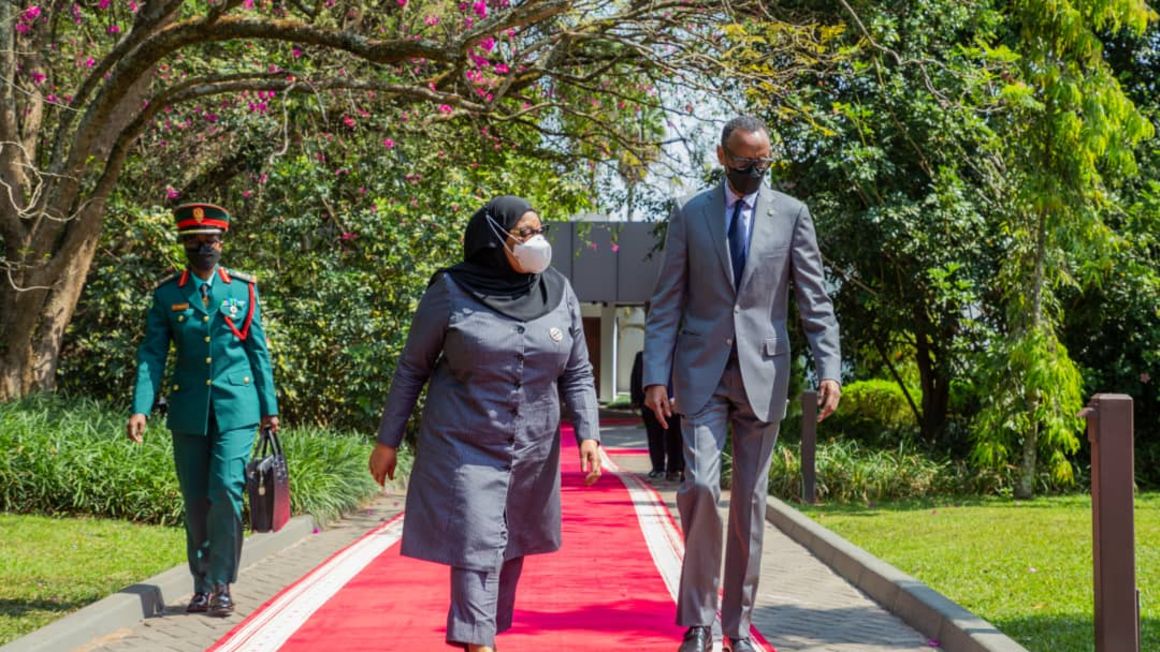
520,329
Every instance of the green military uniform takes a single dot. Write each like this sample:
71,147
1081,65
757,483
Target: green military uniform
220,388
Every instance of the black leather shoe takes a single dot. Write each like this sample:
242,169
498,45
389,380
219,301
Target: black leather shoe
673,476
697,639
741,645
198,604
220,603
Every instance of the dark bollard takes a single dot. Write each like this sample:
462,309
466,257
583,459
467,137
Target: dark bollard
1117,614
809,445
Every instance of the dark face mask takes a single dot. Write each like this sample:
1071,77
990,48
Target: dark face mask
745,181
203,257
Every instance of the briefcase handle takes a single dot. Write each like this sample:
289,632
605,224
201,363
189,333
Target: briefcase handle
269,439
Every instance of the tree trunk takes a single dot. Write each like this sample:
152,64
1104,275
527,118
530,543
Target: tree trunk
33,326
1025,488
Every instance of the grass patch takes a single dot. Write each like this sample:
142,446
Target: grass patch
53,566
70,456
1024,566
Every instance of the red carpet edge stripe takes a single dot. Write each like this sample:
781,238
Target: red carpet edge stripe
268,627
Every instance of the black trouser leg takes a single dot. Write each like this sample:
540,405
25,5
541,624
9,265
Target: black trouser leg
656,440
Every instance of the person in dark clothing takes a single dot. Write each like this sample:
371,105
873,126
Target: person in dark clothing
664,446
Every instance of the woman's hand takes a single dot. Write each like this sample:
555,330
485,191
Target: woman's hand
382,463
590,461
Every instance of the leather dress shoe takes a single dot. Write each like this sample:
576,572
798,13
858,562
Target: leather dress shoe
220,603
198,604
741,645
697,639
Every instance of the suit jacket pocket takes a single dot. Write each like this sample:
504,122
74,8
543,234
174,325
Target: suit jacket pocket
775,346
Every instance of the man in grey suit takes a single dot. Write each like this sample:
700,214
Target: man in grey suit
718,324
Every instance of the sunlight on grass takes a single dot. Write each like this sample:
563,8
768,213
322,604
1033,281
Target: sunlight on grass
1024,566
53,566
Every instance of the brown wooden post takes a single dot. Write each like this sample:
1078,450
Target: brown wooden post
809,445
1117,617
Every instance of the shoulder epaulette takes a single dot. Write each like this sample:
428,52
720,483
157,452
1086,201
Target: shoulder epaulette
172,276
248,278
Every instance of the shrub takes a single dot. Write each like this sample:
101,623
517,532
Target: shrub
874,412
69,456
849,471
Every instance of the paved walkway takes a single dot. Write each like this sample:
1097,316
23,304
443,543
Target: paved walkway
801,606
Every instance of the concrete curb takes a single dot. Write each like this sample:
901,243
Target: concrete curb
134,603
918,605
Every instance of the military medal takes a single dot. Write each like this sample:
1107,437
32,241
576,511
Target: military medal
556,334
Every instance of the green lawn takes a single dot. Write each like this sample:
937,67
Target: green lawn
51,566
1024,566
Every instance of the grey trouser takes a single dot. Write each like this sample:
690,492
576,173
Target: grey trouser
704,438
482,603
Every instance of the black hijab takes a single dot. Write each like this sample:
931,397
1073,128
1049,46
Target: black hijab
486,273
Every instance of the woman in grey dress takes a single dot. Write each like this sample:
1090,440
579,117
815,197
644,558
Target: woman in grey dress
499,337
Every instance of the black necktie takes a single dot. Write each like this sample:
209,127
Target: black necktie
205,294
737,243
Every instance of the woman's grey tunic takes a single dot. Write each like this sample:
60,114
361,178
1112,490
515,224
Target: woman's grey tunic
485,485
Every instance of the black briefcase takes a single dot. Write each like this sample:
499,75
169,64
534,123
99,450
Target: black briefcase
268,483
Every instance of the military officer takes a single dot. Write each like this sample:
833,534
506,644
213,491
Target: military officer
221,387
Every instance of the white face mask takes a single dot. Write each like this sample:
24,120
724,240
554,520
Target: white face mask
534,254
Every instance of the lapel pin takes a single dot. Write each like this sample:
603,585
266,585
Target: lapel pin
556,334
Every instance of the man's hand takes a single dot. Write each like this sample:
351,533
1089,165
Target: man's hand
135,429
829,393
270,422
656,398
382,463
590,461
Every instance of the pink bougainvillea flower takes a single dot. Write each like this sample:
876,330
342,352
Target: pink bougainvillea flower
488,44
389,143
502,69
22,27
247,194
37,77
171,193
480,8
445,108
347,236
248,4
431,21
31,14
114,29
615,247
104,4
297,52
133,6
90,62
348,121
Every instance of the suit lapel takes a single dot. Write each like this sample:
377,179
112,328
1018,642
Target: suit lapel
715,221
761,234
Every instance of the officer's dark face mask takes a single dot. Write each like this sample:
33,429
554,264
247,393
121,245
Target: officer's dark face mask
202,256
745,181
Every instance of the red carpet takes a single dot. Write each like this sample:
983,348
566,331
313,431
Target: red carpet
610,586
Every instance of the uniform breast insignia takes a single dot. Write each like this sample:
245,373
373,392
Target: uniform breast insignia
232,307
556,334
179,307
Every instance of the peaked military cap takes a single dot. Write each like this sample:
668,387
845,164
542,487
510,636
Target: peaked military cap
193,219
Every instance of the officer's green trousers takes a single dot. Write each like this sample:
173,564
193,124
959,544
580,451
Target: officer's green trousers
211,469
